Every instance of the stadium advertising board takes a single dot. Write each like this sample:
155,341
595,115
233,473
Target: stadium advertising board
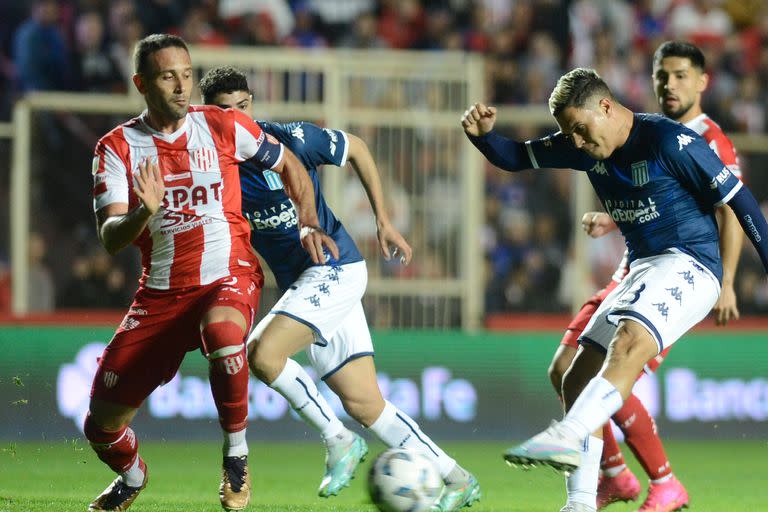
484,386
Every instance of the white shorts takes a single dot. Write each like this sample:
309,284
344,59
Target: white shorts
667,294
327,300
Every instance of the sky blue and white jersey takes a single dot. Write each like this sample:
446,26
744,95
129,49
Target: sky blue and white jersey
273,218
660,187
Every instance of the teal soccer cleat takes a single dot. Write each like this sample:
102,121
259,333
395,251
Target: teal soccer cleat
340,464
458,495
553,448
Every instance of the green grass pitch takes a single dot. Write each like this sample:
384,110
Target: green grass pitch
65,476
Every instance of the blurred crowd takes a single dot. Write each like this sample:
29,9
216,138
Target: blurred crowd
86,45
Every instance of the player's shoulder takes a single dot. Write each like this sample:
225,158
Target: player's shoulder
710,130
665,134
116,137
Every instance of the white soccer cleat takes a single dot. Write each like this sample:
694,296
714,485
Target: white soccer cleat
577,507
554,447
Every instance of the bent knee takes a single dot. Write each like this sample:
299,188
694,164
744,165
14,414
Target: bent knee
364,410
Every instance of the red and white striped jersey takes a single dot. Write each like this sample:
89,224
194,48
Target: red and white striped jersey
199,234
717,140
720,144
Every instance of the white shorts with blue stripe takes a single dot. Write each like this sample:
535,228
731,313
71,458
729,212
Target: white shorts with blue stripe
667,294
327,300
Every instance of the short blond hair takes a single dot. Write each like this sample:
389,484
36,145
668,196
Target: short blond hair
576,88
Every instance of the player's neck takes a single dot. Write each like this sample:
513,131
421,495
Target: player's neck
689,116
161,124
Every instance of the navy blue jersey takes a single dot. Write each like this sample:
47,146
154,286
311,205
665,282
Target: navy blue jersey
274,223
660,187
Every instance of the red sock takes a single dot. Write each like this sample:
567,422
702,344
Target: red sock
640,431
612,456
228,373
118,450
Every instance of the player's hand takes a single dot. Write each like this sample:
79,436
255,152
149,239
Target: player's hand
725,308
389,236
478,119
150,187
597,224
314,240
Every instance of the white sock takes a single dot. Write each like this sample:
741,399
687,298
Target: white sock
614,471
582,483
397,429
235,444
594,406
134,477
301,392
662,479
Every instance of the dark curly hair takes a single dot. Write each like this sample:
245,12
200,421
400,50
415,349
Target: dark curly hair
224,79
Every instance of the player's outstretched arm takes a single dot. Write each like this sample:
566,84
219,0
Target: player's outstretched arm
597,224
752,221
391,241
478,121
116,226
299,189
730,249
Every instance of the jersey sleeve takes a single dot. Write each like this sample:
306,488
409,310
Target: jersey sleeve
323,145
252,143
557,152
692,161
110,177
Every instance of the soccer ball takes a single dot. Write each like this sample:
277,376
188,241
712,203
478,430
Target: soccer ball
403,480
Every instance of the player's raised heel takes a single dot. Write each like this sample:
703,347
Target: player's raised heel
665,497
553,448
340,469
118,496
622,487
458,495
235,488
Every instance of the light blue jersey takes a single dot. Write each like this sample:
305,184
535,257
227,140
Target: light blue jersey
660,187
273,219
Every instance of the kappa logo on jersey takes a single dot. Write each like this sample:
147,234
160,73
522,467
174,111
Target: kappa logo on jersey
683,140
721,178
599,168
640,175
334,140
298,133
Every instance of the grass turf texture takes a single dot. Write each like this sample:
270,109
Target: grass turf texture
65,476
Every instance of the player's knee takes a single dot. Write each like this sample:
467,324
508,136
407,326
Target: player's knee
229,360
265,362
631,345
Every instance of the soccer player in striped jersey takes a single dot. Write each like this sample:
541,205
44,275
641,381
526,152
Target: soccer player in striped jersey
680,78
321,310
661,182
168,181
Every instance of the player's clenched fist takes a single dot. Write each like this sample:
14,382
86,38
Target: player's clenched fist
478,119
597,224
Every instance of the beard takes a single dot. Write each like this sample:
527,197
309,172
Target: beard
677,114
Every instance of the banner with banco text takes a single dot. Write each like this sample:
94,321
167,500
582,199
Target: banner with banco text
457,386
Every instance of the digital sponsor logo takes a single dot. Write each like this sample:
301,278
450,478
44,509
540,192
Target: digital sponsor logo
282,217
633,211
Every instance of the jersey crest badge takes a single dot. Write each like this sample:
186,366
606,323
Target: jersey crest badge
640,175
273,180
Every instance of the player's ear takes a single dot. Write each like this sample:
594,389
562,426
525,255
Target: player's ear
703,82
605,105
138,82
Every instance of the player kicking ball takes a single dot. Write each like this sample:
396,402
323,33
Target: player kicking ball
321,310
679,79
662,183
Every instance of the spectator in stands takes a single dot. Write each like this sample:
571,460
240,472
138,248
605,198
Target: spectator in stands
39,50
94,68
